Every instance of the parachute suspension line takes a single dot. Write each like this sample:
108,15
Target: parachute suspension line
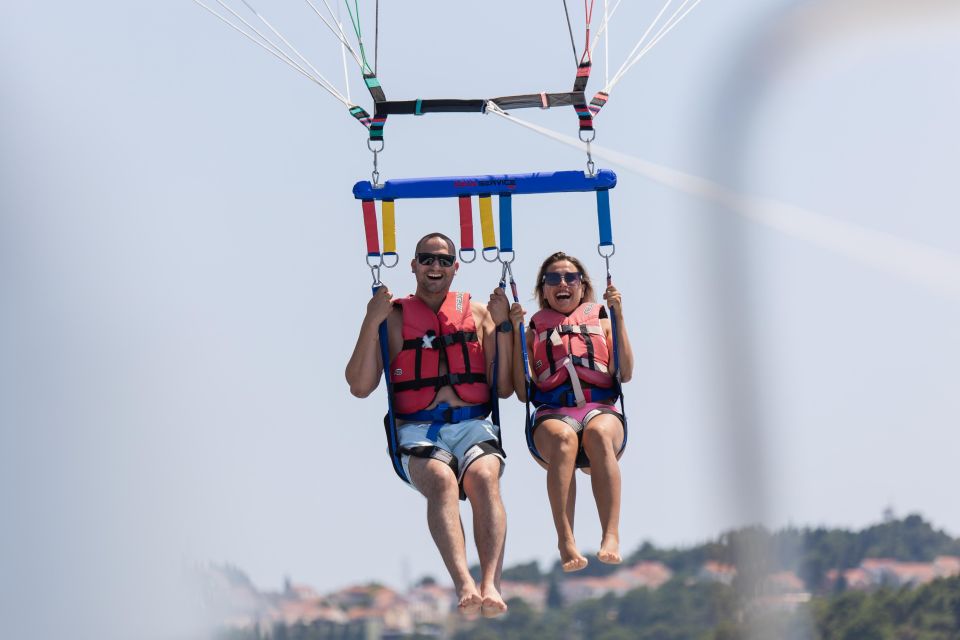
376,36
343,55
606,44
286,42
339,33
640,42
682,11
355,19
273,49
606,21
588,17
570,29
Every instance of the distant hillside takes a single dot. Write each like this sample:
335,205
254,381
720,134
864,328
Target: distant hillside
898,579
808,552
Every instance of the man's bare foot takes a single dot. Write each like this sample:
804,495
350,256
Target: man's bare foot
570,557
470,601
610,550
493,604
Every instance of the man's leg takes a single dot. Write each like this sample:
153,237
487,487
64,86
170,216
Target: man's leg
481,483
437,482
602,438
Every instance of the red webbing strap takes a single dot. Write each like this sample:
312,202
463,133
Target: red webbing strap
599,100
370,227
584,113
466,223
580,103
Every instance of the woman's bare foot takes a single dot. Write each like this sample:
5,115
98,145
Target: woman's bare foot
470,600
610,550
570,557
493,604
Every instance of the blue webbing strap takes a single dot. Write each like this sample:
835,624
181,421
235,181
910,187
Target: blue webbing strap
391,424
606,240
603,217
506,223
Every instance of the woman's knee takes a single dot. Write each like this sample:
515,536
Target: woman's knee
562,442
599,437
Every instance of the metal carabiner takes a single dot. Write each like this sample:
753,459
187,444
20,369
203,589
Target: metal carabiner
375,175
591,166
606,258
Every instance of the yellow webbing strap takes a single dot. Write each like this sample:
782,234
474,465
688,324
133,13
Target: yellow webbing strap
486,223
389,227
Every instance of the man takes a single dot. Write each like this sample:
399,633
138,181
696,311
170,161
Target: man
442,348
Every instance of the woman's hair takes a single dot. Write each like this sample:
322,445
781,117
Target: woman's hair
588,295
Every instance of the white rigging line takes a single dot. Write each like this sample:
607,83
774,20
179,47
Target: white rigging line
682,11
287,42
606,21
929,266
338,32
343,56
606,42
270,47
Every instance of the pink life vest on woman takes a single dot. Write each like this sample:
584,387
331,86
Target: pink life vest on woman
570,349
415,371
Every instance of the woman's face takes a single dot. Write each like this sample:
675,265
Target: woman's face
562,287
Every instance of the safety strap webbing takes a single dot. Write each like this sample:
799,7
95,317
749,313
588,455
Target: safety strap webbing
370,227
466,223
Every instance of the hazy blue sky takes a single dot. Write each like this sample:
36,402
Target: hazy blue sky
182,278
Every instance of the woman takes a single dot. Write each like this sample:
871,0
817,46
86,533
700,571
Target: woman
574,387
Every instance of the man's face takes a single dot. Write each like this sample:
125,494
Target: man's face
428,266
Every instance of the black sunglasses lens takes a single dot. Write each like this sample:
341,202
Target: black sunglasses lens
427,259
554,279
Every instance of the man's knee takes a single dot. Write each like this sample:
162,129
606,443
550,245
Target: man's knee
483,473
433,478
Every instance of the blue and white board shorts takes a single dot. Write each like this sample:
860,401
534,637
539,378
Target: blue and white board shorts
458,444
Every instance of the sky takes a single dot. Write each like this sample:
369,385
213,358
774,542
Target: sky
182,278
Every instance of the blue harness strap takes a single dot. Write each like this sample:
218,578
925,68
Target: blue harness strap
445,414
390,424
563,396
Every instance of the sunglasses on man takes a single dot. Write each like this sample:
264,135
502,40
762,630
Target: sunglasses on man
427,259
553,278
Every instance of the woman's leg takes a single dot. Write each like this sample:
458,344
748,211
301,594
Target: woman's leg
602,439
557,443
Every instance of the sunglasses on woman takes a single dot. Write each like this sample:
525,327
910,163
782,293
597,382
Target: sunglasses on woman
427,259
553,278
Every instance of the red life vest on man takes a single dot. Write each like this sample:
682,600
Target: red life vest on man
415,371
571,351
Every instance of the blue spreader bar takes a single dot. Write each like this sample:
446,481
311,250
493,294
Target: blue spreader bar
520,183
